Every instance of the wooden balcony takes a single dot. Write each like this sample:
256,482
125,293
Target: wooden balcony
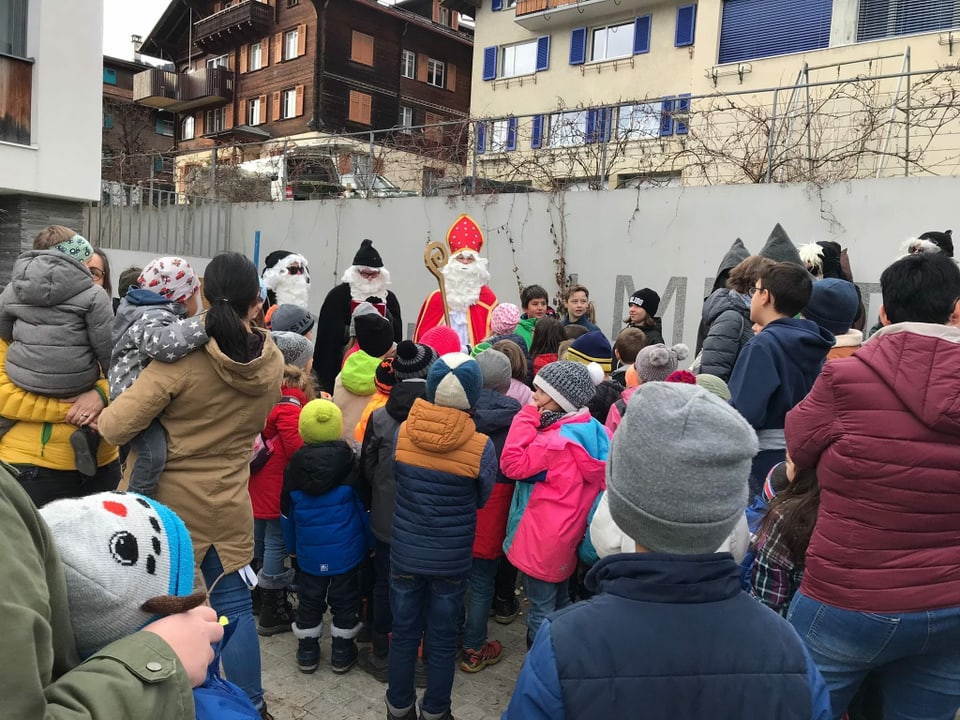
542,14
244,22
175,92
155,88
16,92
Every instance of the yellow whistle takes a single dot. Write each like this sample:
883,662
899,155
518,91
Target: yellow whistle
224,620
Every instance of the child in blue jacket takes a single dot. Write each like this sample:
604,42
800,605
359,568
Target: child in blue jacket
326,527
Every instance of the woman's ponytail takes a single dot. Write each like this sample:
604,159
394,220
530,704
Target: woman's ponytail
230,285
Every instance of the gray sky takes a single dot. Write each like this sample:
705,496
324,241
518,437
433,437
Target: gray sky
123,18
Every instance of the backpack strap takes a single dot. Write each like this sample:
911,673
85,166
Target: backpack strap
288,400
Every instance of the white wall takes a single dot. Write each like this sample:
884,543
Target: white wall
669,239
63,160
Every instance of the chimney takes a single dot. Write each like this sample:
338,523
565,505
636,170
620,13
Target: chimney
137,43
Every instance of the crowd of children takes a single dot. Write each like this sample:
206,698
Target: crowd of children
434,488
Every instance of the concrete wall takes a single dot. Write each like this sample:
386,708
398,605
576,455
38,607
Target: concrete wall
669,239
63,160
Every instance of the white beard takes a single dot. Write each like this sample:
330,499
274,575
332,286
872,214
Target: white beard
289,289
361,288
464,282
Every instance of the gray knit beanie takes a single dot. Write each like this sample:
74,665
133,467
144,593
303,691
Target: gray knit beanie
496,369
569,384
654,363
678,469
294,347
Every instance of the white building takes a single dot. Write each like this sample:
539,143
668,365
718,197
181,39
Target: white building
51,62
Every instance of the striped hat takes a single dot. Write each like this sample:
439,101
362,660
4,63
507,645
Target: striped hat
454,381
592,347
412,360
385,378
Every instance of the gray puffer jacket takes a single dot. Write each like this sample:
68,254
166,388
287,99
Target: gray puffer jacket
59,323
150,327
727,319
376,457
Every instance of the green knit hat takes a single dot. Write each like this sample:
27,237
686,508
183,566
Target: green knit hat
359,373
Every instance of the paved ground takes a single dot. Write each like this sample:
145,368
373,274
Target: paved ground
291,695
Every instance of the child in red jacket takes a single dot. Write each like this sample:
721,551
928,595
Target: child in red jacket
282,432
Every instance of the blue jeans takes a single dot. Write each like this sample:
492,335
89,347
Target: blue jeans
545,597
915,656
268,546
482,584
241,655
151,449
419,601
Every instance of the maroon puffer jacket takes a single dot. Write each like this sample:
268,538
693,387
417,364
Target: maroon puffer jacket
882,429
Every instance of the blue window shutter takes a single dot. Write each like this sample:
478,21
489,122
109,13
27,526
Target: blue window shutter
481,138
753,29
496,5
666,117
641,35
536,133
578,46
511,133
686,25
683,108
543,53
490,62
591,129
606,121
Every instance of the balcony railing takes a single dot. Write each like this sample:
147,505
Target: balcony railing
538,14
244,22
179,92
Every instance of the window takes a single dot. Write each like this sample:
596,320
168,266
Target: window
498,135
107,121
436,73
638,122
433,130
890,18
164,126
187,128
360,107
760,28
508,4
361,48
408,64
519,59
406,119
443,16
292,3
291,40
610,42
288,103
13,27
216,121
255,57
255,111
568,128
222,61
109,76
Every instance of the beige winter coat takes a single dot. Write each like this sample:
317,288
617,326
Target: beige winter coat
212,408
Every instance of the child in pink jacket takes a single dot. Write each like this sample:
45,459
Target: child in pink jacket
560,451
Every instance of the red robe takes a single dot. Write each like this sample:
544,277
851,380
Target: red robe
478,317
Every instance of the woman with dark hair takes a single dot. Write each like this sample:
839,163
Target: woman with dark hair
99,267
212,403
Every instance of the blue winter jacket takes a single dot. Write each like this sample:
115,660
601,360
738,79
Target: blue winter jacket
664,638
444,471
775,371
324,523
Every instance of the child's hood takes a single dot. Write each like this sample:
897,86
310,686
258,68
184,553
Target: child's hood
586,438
494,411
132,309
320,467
438,429
46,278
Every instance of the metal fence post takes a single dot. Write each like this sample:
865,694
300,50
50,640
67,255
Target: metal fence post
773,125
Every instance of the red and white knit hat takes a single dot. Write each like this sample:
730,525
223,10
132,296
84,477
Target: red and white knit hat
170,277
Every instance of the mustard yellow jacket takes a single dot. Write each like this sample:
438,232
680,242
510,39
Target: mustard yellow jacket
40,436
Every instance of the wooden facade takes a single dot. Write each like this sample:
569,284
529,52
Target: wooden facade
16,83
332,67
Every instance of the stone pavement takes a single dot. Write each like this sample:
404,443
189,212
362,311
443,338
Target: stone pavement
291,695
